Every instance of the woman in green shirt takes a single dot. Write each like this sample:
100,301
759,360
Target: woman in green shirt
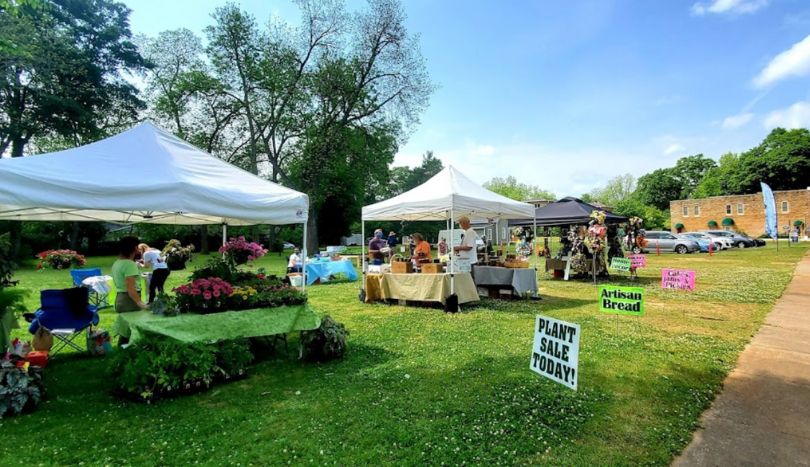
125,274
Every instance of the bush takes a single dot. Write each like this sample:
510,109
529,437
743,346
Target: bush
156,367
21,389
327,342
12,302
7,265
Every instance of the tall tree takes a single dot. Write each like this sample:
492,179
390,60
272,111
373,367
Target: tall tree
62,64
690,171
782,160
511,188
615,191
658,188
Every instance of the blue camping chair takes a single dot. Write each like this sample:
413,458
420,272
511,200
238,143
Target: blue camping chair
99,300
65,314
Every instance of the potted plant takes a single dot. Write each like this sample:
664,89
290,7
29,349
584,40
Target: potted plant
240,251
60,259
177,255
203,295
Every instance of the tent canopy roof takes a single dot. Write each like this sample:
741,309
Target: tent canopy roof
567,211
144,174
433,200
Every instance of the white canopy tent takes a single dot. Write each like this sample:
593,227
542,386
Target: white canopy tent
143,175
446,196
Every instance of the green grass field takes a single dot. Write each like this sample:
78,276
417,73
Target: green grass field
419,386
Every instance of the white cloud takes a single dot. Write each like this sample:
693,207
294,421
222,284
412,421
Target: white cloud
795,116
736,121
790,63
674,148
727,7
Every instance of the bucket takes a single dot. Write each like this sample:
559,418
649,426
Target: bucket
296,280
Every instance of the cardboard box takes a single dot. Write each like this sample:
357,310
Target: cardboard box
401,267
432,268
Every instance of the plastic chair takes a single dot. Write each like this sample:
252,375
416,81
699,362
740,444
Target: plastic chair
65,314
99,300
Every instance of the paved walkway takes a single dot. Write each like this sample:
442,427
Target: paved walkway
762,416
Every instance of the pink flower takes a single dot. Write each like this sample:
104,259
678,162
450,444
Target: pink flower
216,293
195,291
207,295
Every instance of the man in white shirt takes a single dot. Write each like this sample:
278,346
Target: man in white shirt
294,265
152,258
469,246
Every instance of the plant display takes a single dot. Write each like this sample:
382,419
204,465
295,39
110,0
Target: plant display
240,251
157,367
12,302
21,388
165,305
203,295
325,343
177,255
243,297
60,259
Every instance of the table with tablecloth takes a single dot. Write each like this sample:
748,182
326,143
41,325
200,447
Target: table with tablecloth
522,281
420,287
323,270
215,327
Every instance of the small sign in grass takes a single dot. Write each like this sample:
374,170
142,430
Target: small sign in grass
621,300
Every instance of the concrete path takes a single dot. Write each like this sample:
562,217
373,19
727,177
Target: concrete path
762,416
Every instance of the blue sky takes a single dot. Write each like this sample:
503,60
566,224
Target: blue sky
566,95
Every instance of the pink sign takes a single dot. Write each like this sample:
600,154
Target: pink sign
678,279
637,261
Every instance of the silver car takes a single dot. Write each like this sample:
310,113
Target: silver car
666,241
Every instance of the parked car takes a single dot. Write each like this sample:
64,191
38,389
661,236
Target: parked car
720,242
703,243
666,241
288,246
739,240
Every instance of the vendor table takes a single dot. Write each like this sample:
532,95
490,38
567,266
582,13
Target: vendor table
214,327
420,287
324,269
522,281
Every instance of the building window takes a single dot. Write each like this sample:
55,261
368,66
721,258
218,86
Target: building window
685,211
740,208
697,210
728,209
785,206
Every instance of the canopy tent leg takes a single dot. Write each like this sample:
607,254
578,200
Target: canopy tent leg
535,253
224,234
363,253
304,260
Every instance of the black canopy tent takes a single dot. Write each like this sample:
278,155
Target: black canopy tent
567,211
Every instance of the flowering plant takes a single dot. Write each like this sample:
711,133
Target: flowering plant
60,259
242,297
241,251
203,295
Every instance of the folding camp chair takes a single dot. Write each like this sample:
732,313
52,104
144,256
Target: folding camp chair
97,299
65,314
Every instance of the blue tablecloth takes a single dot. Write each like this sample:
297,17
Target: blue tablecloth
324,269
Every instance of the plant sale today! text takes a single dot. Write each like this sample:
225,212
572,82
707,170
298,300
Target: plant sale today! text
555,352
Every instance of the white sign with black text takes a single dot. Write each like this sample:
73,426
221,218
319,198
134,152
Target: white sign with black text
555,353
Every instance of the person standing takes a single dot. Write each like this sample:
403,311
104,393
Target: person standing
442,247
151,258
468,249
294,264
375,248
125,274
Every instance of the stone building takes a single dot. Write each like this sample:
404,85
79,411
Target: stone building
743,213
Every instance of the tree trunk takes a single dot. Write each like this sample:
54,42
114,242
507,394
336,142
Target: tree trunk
312,232
204,239
74,236
17,146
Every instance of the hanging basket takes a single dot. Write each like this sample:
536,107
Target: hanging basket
728,221
712,224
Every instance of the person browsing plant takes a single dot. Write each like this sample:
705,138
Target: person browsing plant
152,258
125,275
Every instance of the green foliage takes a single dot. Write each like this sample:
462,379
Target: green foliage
7,263
712,224
327,342
654,218
614,192
12,303
164,304
221,266
798,223
20,389
690,171
50,47
156,367
513,189
658,188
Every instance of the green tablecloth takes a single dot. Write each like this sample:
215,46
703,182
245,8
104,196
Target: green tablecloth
214,327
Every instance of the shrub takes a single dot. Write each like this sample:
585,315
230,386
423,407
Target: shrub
203,295
327,342
21,389
220,267
12,302
60,259
157,367
240,251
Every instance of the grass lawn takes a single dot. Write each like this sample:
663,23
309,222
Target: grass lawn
420,386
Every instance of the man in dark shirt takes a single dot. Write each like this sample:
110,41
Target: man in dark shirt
375,247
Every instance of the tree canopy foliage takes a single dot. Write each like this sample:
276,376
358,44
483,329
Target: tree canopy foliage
511,188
